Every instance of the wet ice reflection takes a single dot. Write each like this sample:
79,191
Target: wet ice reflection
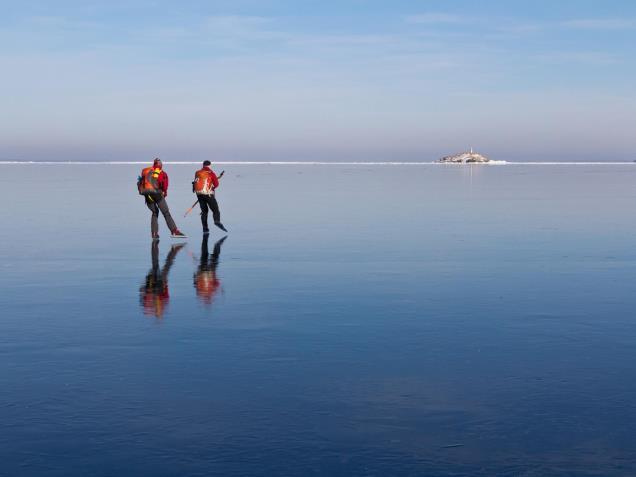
154,294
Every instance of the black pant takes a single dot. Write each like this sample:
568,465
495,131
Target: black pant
206,201
207,261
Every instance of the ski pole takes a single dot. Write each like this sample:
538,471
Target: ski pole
190,209
197,201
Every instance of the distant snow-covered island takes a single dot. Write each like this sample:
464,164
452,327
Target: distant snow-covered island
465,158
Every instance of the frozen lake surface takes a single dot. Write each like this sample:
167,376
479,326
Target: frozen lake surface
358,320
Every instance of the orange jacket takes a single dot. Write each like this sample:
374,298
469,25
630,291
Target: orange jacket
205,181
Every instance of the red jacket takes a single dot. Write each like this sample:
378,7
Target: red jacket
163,182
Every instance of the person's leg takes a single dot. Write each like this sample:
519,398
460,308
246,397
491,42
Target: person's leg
204,250
216,254
204,211
163,207
154,253
174,250
154,224
216,213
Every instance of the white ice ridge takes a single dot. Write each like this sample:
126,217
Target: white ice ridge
314,163
238,163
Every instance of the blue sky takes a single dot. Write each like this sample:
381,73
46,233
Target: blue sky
317,80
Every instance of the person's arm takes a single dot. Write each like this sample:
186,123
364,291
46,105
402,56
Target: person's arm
215,180
164,184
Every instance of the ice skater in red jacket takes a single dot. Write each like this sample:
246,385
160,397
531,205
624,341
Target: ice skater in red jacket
153,185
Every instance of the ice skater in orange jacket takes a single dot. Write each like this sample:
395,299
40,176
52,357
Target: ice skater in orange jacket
204,186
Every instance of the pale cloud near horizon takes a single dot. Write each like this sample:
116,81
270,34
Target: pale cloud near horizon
249,30
507,25
435,18
591,58
600,23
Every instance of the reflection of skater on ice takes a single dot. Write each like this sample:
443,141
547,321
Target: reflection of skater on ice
154,294
206,282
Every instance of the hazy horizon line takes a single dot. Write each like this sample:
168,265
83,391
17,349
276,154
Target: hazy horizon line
321,163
